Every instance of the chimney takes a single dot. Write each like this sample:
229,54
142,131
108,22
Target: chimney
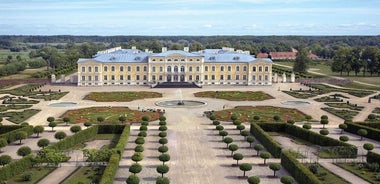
164,49
186,49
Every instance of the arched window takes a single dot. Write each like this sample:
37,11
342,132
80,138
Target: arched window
222,68
254,68
112,68
89,69
190,68
121,68
105,68
266,69
237,68
129,68
245,68
153,69
260,68
229,68
137,68
182,69
175,68
169,69
145,69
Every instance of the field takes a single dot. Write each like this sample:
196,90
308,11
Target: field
235,95
266,113
110,115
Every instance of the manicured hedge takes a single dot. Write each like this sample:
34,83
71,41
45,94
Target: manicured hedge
373,133
7,128
113,164
269,143
80,137
373,157
10,136
110,129
297,170
15,167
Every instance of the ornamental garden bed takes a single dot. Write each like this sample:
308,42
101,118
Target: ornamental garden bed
265,113
342,113
362,170
9,107
376,110
109,114
354,92
87,174
346,106
36,174
30,90
326,176
19,117
120,96
235,95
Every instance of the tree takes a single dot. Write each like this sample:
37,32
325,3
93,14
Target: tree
244,133
219,127
135,168
245,167
163,128
362,133
133,179
52,125
342,60
342,127
212,117
368,147
233,148
344,138
24,150
51,156
371,117
162,123
140,140
137,157
301,61
236,122
38,130
308,118
143,128
163,149
60,135
100,119
163,141
216,122
162,169
76,128
228,140
50,119
20,135
162,118
42,143
5,159
287,180
258,148
265,155
142,134
122,119
324,122
253,180
164,158
66,120
145,118
87,124
163,180
240,127
274,167
237,157
324,132
291,121
256,118
276,118
250,140
223,133
306,126
234,117
162,134
139,148
3,143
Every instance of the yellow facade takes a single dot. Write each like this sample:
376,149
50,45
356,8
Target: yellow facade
114,68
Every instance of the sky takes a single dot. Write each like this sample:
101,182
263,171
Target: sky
189,17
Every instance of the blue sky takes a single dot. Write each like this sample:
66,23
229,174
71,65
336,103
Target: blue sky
189,17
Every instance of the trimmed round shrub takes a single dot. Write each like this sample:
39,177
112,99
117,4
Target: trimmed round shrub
219,127
5,159
162,123
344,138
162,134
133,179
145,123
287,180
76,128
24,150
216,122
253,180
306,126
162,118
163,128
143,128
139,148
142,134
162,180
163,141
140,140
163,149
291,121
145,118
324,132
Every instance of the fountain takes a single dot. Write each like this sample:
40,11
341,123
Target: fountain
62,104
295,102
180,102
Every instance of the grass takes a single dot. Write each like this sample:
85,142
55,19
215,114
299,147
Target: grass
54,95
369,80
87,174
20,117
235,95
110,115
328,99
344,114
38,173
376,110
354,92
304,94
266,113
8,107
328,177
345,106
363,173
360,86
120,96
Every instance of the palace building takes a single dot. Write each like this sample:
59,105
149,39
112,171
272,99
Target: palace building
225,66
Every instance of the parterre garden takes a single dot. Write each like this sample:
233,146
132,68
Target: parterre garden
235,95
120,96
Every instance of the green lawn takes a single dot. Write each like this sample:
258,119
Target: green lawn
327,99
110,114
266,113
235,95
360,171
120,96
38,173
344,114
86,174
328,177
345,106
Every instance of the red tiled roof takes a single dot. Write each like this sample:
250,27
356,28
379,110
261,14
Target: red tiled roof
289,55
262,55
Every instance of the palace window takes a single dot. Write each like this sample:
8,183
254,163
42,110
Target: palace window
175,59
112,77
197,68
169,60
105,77
112,68
221,77
245,68
266,77
237,68
161,69
254,68
237,77
137,77
182,69
254,77
169,69
175,68
206,68
213,68
228,77
144,77
197,77
83,69
222,68
129,68
153,77
83,78
121,77
96,78
153,59
160,77
191,59
182,59
266,68
244,77
206,77
229,68
190,77
105,68
145,68
260,68
153,69
260,77
96,69
89,69
121,68
190,68
128,77
137,68
212,77
161,60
